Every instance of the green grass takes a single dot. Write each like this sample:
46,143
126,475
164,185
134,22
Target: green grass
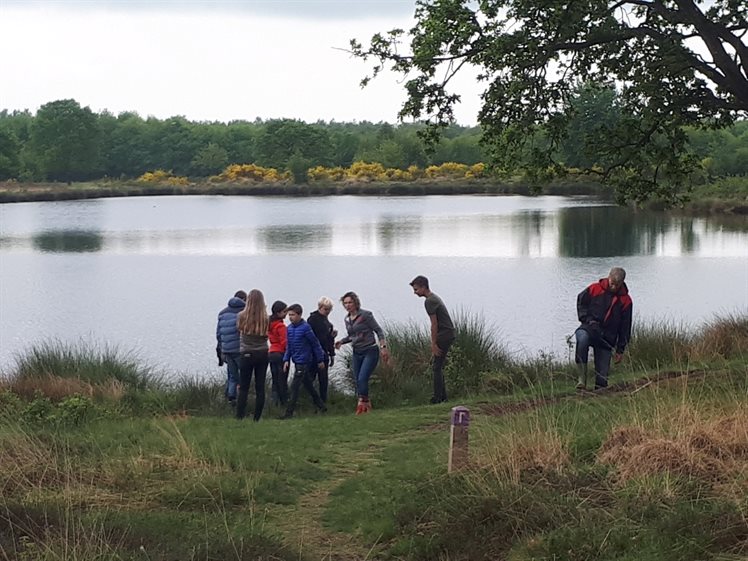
165,472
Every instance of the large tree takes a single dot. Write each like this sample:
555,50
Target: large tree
65,141
673,63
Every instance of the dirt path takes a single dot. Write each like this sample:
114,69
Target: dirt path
631,386
301,524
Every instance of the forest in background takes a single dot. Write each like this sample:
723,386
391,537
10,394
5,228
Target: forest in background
65,142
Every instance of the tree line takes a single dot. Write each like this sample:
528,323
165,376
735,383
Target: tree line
65,142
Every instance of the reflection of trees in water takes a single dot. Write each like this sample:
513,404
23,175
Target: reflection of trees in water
531,229
727,223
689,240
524,230
292,237
610,231
68,241
392,231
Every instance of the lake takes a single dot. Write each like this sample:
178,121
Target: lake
150,274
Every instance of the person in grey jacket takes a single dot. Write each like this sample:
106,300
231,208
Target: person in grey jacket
362,328
227,337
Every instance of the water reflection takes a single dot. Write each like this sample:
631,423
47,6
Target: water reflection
612,231
393,232
128,253
68,241
294,237
482,227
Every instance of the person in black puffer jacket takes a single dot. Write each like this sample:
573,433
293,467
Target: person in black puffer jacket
323,329
604,309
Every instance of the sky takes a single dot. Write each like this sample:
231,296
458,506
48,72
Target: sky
208,61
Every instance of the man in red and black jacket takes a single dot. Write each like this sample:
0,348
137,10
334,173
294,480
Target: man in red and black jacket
604,308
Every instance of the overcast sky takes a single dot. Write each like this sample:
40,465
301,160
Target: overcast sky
220,60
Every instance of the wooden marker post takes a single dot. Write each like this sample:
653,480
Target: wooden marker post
458,438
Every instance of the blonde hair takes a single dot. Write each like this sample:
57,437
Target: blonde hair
253,319
324,301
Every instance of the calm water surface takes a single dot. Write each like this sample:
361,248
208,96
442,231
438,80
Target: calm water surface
150,274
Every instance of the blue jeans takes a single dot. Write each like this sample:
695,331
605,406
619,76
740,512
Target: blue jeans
232,370
603,353
364,363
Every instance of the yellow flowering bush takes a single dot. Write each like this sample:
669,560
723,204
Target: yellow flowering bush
394,174
366,171
416,172
476,171
250,172
448,170
162,176
321,173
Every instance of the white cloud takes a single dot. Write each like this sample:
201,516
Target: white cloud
218,64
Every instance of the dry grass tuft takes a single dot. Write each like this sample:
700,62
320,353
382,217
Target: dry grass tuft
724,337
510,454
58,388
715,451
615,448
27,464
657,455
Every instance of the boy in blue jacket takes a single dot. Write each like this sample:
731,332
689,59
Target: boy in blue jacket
304,349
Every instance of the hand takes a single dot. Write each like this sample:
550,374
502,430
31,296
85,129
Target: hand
617,358
286,366
321,365
337,345
220,355
436,351
385,355
332,361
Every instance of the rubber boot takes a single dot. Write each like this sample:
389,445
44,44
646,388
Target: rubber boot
582,376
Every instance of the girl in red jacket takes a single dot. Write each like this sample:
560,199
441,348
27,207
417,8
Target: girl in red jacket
277,337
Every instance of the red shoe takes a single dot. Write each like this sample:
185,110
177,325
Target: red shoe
364,405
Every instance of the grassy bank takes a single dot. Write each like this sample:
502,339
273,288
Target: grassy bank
25,192
655,468
722,196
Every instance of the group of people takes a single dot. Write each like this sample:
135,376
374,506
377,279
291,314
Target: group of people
249,340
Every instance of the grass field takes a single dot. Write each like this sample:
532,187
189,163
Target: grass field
654,468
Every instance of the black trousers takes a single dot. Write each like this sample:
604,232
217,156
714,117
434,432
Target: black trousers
249,364
322,374
303,375
440,387
279,388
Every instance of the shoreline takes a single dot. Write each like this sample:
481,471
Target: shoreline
11,192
